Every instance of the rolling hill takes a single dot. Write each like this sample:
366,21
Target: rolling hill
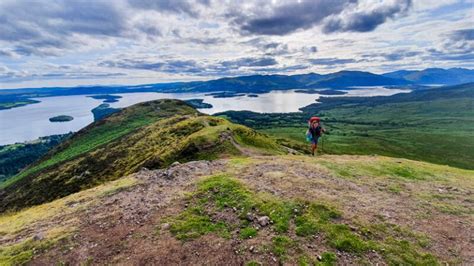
151,134
439,76
346,79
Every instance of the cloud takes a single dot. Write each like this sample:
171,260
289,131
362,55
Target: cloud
366,18
457,45
6,53
44,28
282,69
289,17
396,55
249,62
156,40
463,35
174,66
331,61
175,7
166,66
331,15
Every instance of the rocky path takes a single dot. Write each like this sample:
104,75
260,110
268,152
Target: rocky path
124,227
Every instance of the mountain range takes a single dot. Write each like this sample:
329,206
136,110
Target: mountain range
434,76
264,83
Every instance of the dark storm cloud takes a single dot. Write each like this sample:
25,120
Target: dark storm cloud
366,20
288,18
331,61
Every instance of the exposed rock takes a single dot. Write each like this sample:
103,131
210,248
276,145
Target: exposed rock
175,164
38,237
263,221
165,226
250,217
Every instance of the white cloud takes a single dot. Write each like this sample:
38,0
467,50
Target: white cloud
59,40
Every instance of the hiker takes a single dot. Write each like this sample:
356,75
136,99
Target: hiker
314,132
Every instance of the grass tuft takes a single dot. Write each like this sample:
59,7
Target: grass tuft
248,232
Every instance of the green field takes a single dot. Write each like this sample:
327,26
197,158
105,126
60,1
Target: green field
438,130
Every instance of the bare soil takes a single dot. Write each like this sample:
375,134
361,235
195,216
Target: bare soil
125,228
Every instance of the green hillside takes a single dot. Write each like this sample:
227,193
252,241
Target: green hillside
435,125
152,135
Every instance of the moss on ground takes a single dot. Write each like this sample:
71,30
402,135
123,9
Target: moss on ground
225,194
22,252
193,223
248,232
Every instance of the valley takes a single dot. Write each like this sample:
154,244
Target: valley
161,182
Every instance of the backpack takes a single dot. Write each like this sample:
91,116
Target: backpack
309,136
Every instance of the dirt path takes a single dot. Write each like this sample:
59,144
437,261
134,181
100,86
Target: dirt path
123,228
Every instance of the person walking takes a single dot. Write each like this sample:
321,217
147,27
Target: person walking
314,133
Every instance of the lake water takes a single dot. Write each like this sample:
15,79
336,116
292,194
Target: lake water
32,121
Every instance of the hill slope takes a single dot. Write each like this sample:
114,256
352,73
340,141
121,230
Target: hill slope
435,125
345,79
152,134
434,76
329,210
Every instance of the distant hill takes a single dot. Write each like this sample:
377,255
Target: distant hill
345,79
435,76
256,84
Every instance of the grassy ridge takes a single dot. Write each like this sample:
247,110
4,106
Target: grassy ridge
104,132
153,135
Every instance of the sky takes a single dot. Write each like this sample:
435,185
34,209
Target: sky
46,43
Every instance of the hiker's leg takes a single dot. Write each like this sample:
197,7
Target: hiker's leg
314,146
